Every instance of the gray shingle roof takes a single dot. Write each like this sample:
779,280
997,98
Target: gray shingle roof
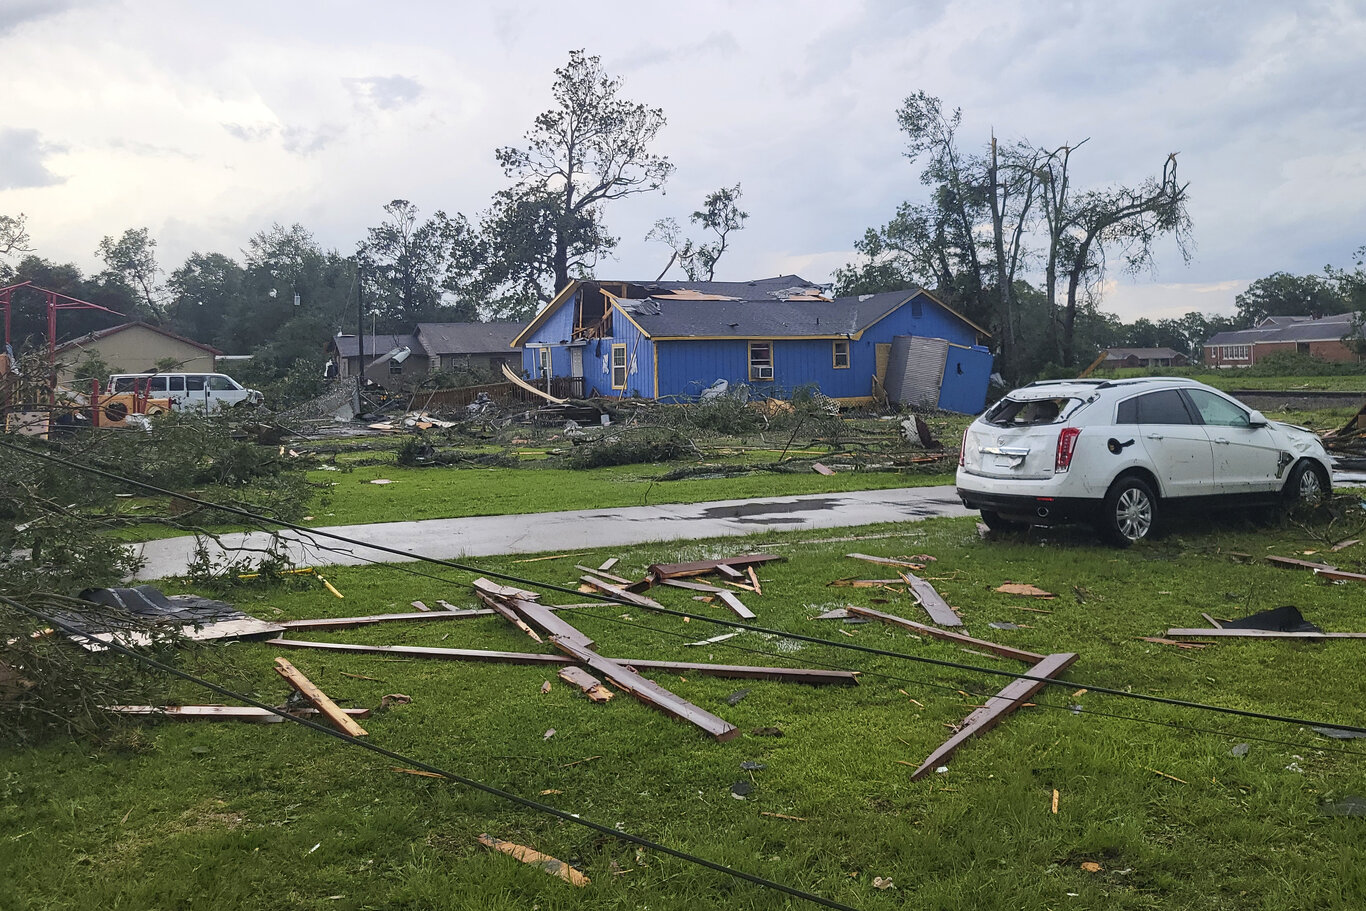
759,289
467,338
761,318
1289,329
347,346
1121,353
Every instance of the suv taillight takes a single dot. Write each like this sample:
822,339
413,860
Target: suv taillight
963,449
1067,445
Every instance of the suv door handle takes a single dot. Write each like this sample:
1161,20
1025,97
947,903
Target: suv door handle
1222,440
1154,436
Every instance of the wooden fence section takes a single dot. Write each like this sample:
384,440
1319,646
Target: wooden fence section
428,399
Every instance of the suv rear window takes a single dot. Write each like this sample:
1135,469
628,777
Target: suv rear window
1012,413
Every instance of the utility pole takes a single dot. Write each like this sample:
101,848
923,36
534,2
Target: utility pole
360,338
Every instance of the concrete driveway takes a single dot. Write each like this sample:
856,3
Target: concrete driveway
482,536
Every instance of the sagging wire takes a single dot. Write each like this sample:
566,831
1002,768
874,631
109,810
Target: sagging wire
721,621
119,648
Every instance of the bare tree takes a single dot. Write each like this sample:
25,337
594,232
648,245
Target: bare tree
720,214
14,235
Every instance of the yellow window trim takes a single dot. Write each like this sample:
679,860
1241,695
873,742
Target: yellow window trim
835,352
772,360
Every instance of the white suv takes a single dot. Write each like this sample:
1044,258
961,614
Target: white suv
1117,453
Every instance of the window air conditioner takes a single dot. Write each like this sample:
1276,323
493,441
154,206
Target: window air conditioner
763,373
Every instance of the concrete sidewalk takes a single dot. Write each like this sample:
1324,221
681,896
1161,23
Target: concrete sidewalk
482,536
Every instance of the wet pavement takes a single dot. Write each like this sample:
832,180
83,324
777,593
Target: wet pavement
482,536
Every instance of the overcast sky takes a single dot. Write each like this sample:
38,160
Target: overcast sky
206,122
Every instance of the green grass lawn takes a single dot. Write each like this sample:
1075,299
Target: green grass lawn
242,816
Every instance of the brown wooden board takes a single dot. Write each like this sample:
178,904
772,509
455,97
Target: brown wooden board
1260,634
545,621
450,614
701,567
1004,651
648,692
1015,694
693,586
885,561
735,604
630,597
218,712
932,601
591,686
508,614
1294,563
504,591
603,574
780,674
310,691
729,572
1337,575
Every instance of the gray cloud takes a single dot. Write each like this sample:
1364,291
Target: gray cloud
385,92
307,140
14,13
249,134
21,160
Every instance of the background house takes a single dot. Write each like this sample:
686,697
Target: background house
1143,357
671,340
135,347
430,348
1325,338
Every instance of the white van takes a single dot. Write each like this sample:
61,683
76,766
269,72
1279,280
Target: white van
209,391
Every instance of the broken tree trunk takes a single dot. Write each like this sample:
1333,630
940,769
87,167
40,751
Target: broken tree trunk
997,707
309,690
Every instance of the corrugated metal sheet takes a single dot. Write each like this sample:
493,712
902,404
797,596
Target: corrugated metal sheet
916,369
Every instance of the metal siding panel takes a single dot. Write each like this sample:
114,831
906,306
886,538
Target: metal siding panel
967,373
916,370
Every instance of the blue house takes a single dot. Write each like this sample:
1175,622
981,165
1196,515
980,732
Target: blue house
670,340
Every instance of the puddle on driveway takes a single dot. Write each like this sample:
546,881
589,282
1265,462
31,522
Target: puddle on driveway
752,511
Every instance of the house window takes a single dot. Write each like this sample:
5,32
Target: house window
1236,352
545,361
841,354
761,361
619,367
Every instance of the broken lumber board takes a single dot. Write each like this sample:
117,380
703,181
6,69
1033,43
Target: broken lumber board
218,712
739,671
310,691
516,380
591,686
729,572
885,561
629,597
547,622
454,614
932,601
863,583
649,693
604,574
609,563
754,580
1261,634
1294,563
508,614
693,586
729,599
1004,651
1337,575
503,591
818,468
1015,694
527,855
701,567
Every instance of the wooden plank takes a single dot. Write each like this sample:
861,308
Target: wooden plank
818,468
310,691
508,614
493,589
629,597
523,384
527,855
1004,651
693,586
932,601
585,681
730,600
735,671
1293,563
420,651
218,712
608,564
885,561
754,580
602,574
452,614
420,606
545,621
1211,621
1015,694
729,572
701,567
1337,575
1261,634
647,692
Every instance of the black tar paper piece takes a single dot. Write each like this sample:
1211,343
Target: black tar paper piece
1338,733
741,788
143,606
735,697
1286,619
749,765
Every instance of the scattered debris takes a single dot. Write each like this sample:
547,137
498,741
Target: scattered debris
591,686
1343,545
702,567
917,562
736,605
133,615
750,765
1165,775
1293,563
1090,866
219,712
545,687
1024,589
1055,800
883,882
1277,623
1240,750
548,734
783,816
389,699
741,789
419,772
530,856
818,468
933,603
1004,624
420,606
1338,733
735,697
295,678
608,564
1158,640
1004,651
721,638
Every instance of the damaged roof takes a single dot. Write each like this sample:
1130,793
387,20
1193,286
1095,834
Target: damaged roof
347,346
466,338
665,317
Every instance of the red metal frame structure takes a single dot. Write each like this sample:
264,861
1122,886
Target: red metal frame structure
56,300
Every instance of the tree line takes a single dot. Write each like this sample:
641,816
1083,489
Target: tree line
1004,236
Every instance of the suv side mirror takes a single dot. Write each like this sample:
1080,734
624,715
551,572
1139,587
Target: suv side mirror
1256,419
